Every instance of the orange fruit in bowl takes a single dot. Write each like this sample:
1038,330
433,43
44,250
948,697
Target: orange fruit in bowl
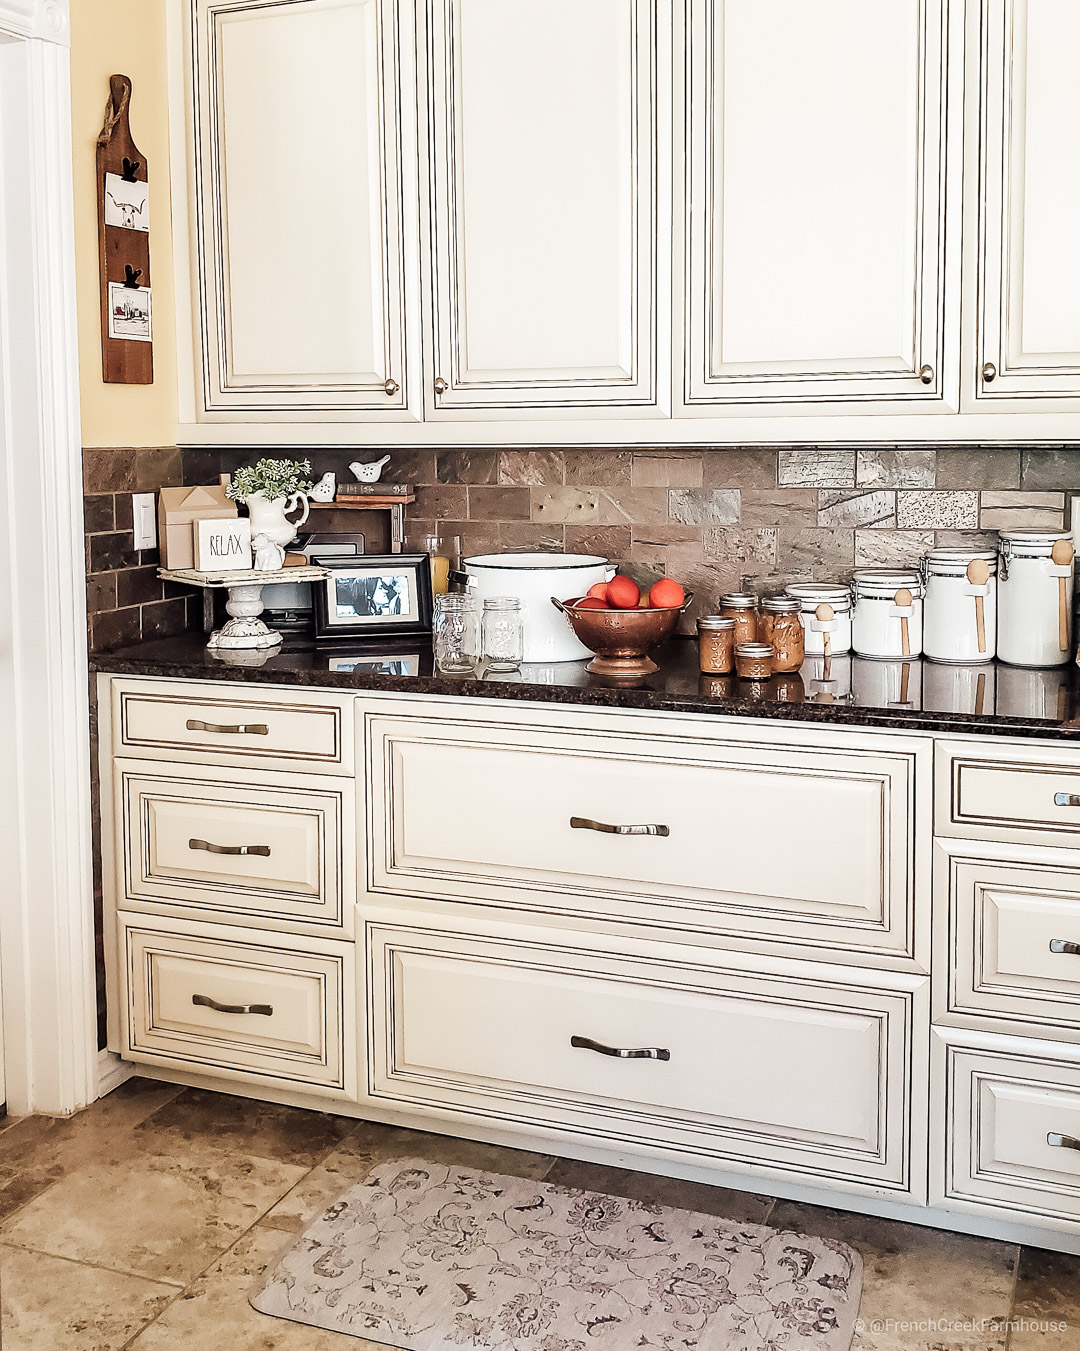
592,603
666,594
623,593
598,592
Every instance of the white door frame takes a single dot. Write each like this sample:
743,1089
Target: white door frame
46,891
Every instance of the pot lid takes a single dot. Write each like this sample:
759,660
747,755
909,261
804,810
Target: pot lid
538,562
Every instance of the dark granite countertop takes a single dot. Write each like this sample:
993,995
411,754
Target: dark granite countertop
907,696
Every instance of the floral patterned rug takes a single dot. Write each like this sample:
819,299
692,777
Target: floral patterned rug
425,1256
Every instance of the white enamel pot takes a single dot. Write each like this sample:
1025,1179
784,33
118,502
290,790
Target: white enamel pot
534,579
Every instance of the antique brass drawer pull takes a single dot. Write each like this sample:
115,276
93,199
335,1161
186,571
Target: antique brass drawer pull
226,729
1067,799
1060,1141
1062,945
206,1002
583,823
620,1052
263,850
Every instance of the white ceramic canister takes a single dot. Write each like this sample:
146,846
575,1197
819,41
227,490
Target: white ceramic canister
881,627
952,688
1033,627
956,627
886,684
1033,692
827,680
810,595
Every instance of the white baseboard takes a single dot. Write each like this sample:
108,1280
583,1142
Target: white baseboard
112,1072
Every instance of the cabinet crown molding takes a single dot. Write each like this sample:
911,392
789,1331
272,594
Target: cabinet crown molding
45,19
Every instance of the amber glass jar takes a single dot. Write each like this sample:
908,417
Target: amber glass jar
716,644
741,607
754,661
781,627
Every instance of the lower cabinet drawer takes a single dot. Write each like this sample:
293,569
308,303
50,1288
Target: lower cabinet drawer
235,1007
762,1068
1012,1131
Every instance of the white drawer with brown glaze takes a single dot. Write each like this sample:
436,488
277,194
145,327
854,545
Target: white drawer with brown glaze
801,846
1013,1129
255,848
769,1068
1000,794
1013,942
218,723
232,1005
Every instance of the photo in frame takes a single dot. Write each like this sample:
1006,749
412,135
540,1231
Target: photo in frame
373,595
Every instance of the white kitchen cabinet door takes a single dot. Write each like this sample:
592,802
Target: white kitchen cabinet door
299,206
545,126
1028,340
818,161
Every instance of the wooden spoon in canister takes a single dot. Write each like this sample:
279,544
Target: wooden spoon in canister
978,574
1062,555
904,600
825,614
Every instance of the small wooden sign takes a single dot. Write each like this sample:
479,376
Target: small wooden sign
127,352
223,546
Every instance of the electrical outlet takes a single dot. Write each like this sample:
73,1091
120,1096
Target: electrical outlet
144,516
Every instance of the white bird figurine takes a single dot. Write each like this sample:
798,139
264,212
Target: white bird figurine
370,472
325,488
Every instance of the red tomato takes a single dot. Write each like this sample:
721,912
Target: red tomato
592,603
598,592
623,593
666,594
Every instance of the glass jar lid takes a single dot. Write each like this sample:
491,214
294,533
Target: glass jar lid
502,602
715,622
781,605
882,583
738,600
812,594
954,561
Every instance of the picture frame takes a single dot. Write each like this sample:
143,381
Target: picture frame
373,595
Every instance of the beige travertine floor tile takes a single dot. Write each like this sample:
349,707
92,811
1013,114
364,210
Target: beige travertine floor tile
265,1129
742,1207
50,1304
161,1215
1047,1292
913,1276
214,1312
372,1143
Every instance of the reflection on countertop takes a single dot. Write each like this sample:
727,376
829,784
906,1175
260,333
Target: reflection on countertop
853,691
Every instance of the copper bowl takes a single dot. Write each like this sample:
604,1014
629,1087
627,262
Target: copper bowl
621,638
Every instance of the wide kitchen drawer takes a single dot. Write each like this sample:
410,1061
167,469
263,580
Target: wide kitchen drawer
1012,1132
233,1007
243,847
208,723
798,845
755,1069
1013,943
1008,794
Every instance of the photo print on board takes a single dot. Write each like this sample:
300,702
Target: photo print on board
127,205
129,312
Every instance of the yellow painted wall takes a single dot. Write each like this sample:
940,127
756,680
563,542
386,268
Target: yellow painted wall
123,37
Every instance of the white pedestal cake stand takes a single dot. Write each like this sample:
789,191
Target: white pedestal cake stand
245,630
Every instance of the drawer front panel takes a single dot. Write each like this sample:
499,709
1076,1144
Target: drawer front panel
189,722
234,849
221,1007
1015,939
1014,1132
797,846
749,1068
1001,798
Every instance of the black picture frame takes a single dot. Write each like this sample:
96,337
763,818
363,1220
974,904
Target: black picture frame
359,597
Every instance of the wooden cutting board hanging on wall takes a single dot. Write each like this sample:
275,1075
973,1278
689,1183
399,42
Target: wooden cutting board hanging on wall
127,350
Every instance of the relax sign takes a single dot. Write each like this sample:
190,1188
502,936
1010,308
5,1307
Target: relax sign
223,546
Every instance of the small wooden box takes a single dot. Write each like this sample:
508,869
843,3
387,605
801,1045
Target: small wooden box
177,509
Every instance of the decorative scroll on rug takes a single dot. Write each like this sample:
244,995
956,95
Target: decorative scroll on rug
425,1256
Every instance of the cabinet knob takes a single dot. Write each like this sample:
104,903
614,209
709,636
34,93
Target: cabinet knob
391,387
926,375
989,372
440,385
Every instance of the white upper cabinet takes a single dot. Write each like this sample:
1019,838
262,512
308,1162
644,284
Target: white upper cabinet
298,208
545,234
818,162
1028,305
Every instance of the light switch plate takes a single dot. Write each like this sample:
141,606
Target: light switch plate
144,517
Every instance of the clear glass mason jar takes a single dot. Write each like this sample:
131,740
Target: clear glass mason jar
502,639
456,633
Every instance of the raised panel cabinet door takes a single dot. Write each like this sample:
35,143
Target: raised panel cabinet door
545,225
299,203
1029,265
816,176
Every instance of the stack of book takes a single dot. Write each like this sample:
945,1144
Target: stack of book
374,490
